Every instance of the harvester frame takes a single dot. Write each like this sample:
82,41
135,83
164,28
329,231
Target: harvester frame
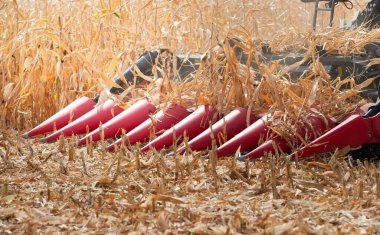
82,117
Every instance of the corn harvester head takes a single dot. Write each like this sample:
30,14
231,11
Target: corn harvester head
208,128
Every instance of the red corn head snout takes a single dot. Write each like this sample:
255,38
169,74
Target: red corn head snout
225,128
127,120
354,132
315,127
247,139
92,120
70,113
192,125
163,120
277,143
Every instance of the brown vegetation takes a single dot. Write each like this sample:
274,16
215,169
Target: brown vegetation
54,51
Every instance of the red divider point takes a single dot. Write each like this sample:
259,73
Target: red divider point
226,128
163,120
127,120
192,125
92,119
352,132
268,147
309,131
247,139
70,113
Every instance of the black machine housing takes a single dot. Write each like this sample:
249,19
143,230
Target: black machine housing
355,66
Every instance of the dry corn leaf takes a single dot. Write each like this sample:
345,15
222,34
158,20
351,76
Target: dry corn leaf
374,61
165,198
320,164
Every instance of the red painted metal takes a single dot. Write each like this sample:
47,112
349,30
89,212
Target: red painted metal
127,120
225,128
309,131
161,121
353,132
269,147
247,139
191,126
92,119
362,110
358,111
70,113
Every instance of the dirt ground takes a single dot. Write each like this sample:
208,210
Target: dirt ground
57,188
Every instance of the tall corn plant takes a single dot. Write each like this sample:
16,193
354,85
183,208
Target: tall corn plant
54,51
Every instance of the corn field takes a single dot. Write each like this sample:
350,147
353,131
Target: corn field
54,51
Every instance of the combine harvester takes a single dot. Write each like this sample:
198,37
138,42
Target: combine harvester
238,130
